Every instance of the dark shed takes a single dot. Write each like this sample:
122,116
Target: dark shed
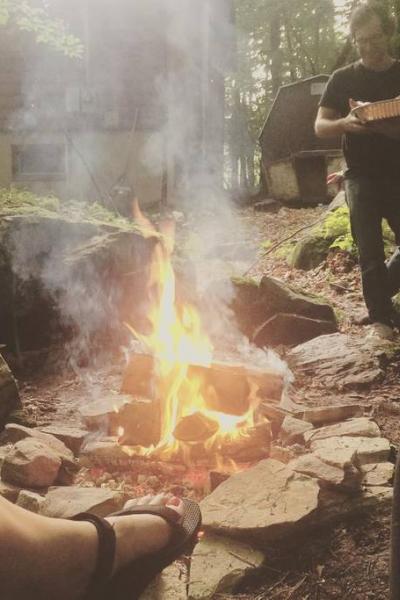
294,160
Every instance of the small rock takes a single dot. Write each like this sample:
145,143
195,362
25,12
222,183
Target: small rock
30,501
31,463
283,455
380,474
292,431
348,477
8,491
14,433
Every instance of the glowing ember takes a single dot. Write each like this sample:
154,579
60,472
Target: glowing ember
177,341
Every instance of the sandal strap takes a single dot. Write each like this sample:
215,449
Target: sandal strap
105,553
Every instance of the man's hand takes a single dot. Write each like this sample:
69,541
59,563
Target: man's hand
353,123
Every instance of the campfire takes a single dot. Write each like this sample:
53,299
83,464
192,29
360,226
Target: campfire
192,407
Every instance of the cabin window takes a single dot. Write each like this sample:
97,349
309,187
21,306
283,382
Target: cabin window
38,162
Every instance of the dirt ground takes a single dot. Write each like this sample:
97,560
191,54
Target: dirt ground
346,561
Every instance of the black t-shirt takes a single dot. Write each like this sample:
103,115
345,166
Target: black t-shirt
374,154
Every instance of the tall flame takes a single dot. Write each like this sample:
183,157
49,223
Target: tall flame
177,340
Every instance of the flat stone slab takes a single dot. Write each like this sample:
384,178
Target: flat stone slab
380,474
346,476
218,564
339,360
325,415
171,584
366,450
292,431
265,502
361,427
65,502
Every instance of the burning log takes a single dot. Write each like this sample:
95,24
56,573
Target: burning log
139,376
141,422
195,428
253,444
226,386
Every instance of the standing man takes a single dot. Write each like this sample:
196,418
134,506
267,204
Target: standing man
372,154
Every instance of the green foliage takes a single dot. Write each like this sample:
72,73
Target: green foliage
16,202
285,251
266,245
47,30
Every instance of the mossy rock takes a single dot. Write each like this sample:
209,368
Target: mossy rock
310,252
279,297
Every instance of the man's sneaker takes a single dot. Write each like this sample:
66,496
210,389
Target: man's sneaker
380,331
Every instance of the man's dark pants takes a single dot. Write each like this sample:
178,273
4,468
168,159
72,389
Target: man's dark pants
370,199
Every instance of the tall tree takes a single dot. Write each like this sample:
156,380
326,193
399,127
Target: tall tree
27,16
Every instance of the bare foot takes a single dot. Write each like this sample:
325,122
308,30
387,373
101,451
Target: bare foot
138,535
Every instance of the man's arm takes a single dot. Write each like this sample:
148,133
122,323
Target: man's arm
329,123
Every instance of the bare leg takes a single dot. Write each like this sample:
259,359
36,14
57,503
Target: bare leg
43,558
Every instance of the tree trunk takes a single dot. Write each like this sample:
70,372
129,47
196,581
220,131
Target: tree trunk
275,48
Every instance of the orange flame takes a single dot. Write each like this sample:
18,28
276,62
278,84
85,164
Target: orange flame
177,340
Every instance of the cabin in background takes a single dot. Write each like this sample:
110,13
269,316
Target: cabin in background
295,162
143,109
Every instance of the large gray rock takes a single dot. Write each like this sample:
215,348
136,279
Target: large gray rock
31,463
9,396
65,502
265,502
339,360
282,298
218,564
254,304
290,330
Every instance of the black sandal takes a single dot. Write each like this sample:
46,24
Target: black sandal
130,582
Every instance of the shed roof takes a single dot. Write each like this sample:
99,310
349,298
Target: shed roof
289,127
